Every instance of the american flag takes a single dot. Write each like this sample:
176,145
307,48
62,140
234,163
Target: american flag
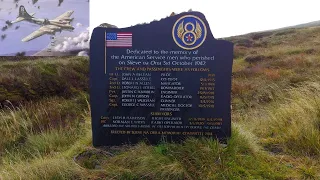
121,39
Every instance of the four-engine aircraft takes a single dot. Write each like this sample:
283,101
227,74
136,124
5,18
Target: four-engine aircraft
58,24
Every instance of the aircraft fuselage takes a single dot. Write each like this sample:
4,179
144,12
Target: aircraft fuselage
64,25
35,21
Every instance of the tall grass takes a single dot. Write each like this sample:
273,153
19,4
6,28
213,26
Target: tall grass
43,168
292,123
35,136
33,80
40,128
196,159
34,118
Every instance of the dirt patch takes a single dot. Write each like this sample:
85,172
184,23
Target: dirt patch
256,58
92,158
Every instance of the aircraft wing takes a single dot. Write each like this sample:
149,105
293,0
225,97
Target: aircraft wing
64,15
41,31
18,20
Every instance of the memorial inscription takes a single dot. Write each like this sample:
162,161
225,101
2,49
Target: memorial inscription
168,79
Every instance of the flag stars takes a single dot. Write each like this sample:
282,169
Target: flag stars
112,36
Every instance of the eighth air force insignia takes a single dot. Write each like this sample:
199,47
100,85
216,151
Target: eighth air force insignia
189,32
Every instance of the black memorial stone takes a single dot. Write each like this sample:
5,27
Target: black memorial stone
169,79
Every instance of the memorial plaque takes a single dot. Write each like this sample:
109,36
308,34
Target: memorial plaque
169,79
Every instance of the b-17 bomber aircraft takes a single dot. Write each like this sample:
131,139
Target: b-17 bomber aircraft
58,24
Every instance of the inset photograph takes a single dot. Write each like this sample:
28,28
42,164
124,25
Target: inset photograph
44,28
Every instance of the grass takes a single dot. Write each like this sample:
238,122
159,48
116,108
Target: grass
34,79
46,133
57,114
195,159
43,136
292,119
293,123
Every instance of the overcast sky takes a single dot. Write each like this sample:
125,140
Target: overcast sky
226,18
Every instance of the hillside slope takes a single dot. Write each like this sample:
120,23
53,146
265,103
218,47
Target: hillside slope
305,25
46,134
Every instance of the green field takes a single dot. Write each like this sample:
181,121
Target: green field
46,127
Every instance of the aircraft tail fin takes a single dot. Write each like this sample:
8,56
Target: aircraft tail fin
23,13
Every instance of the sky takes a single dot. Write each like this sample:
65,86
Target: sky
47,9
226,18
